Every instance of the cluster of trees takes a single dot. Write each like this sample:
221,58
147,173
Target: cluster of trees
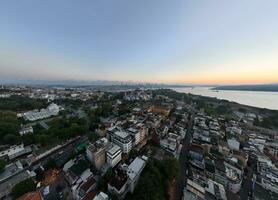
173,94
19,103
60,129
124,108
9,127
2,165
94,115
268,122
23,187
211,108
102,184
155,179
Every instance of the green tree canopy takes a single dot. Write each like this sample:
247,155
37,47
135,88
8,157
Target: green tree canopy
23,187
2,165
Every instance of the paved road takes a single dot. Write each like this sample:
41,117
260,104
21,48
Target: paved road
247,183
183,160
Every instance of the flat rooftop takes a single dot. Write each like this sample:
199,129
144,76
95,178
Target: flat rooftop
122,134
135,167
113,149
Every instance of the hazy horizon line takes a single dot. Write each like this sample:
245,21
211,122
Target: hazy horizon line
114,82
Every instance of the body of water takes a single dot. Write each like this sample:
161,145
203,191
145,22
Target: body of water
251,98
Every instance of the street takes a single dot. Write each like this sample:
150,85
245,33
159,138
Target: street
247,183
183,160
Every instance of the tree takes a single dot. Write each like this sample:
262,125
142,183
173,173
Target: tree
123,109
171,168
23,187
10,139
151,184
43,140
50,164
18,103
92,136
102,184
9,125
2,165
155,179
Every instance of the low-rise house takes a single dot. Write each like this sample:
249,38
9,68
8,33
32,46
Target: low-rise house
85,187
15,151
25,130
14,173
171,143
51,110
118,184
76,170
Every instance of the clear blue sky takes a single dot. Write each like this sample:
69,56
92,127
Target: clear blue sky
167,41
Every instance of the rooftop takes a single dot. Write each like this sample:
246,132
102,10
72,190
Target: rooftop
113,149
90,196
79,167
135,167
122,134
118,181
88,184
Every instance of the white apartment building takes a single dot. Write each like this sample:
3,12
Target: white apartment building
122,139
136,135
134,170
113,155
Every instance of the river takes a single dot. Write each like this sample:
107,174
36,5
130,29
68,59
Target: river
251,98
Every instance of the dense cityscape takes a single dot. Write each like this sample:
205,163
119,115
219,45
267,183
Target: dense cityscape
138,100
79,143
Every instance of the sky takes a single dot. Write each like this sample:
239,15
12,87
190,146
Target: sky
154,41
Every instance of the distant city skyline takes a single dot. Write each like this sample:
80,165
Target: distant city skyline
148,41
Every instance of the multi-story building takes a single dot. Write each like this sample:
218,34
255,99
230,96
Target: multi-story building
135,134
234,175
234,179
113,155
198,189
122,139
134,170
96,152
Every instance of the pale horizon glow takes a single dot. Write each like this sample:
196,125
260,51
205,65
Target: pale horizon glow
154,41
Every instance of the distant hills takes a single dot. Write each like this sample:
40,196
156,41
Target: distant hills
264,88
